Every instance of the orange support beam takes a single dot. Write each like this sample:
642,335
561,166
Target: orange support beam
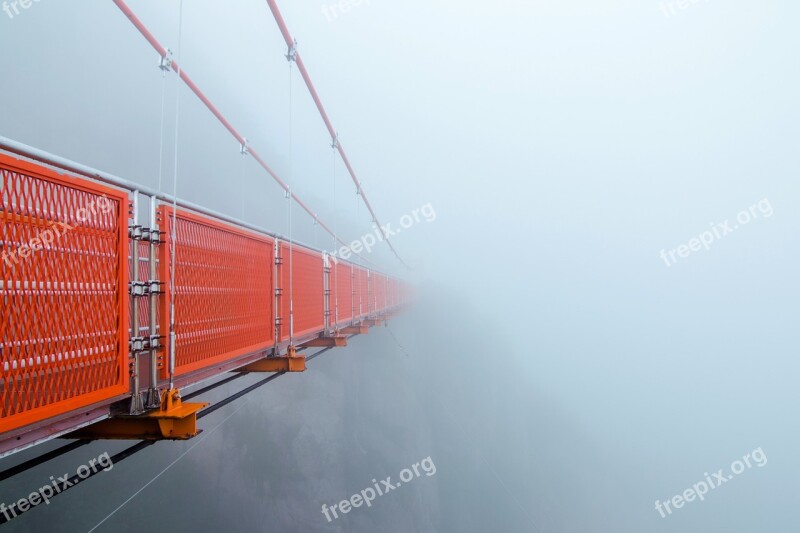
355,330
337,341
276,364
175,420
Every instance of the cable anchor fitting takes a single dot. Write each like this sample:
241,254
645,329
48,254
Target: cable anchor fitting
335,141
244,148
166,61
291,54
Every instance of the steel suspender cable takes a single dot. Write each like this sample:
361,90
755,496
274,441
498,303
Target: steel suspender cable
163,52
290,58
290,42
173,259
241,184
335,263
161,128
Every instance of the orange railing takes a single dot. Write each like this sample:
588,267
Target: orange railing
76,323
64,290
223,291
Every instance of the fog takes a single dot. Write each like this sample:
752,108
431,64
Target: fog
597,326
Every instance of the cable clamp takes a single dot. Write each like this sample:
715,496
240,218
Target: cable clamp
244,148
145,288
152,235
135,232
138,288
291,55
155,341
138,344
166,61
335,141
155,287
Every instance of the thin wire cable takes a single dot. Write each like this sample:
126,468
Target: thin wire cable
358,214
215,111
289,211
402,348
200,439
241,186
318,102
173,336
336,233
161,129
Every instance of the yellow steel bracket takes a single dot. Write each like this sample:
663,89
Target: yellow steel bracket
291,362
336,341
174,420
355,330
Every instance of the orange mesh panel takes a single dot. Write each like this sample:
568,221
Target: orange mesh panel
391,297
380,292
64,293
307,290
223,291
361,292
343,285
370,309
144,275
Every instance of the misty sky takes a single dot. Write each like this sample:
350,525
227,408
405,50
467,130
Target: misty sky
564,145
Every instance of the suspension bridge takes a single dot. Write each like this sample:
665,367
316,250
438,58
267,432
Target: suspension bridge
116,296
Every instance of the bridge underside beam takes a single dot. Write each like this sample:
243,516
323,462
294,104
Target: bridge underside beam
337,341
174,420
276,364
355,330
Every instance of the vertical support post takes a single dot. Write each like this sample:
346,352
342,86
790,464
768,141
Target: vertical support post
172,267
133,286
352,294
335,296
385,294
374,295
326,291
276,282
153,395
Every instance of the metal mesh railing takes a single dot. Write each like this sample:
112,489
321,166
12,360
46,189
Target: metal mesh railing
64,318
223,291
